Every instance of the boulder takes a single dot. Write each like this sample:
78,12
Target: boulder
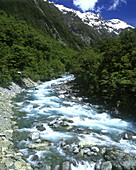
120,159
66,165
35,158
127,135
106,166
40,127
35,106
34,135
40,146
76,150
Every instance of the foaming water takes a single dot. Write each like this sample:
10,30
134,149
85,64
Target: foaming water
66,117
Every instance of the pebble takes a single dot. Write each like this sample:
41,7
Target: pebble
10,158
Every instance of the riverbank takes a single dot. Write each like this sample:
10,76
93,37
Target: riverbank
10,158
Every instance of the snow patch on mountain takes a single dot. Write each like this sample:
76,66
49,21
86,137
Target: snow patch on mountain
96,21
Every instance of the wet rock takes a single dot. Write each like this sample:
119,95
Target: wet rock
53,84
79,99
35,106
98,164
8,162
36,88
61,96
66,147
76,150
106,166
95,149
120,159
86,143
62,92
27,82
64,124
34,135
52,123
86,150
104,131
80,129
26,102
89,153
39,146
40,127
66,166
127,135
57,167
35,158
134,138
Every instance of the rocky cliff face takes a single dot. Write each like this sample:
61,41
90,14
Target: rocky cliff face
68,26
96,22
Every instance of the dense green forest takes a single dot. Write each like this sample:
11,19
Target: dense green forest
25,52
108,72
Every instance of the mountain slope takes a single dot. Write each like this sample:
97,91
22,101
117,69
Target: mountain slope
68,26
40,15
96,21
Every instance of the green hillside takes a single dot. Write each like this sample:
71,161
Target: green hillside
25,50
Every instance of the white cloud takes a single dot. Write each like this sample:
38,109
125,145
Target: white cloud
85,4
116,3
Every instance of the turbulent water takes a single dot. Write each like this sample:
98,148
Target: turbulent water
67,121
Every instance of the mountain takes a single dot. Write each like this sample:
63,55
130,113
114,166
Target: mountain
95,21
68,26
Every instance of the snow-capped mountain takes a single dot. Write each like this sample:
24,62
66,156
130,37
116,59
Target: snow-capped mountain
96,21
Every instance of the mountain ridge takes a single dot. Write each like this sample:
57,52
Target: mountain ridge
70,27
96,20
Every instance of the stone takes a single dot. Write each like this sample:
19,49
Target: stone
66,165
106,166
86,143
34,135
36,88
98,165
35,158
64,124
39,146
120,159
26,102
8,162
19,165
57,167
134,138
86,150
35,106
95,149
104,131
76,150
89,153
127,135
40,127
62,96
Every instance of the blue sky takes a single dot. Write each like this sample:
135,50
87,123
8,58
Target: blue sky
124,10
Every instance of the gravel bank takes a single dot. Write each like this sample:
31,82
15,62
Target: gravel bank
10,158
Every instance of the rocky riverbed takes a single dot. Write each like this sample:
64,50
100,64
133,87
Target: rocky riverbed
57,130
10,157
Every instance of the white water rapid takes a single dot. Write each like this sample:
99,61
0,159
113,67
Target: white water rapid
69,125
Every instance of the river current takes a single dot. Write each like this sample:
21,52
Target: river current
50,116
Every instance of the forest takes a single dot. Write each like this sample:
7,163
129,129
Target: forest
26,52
107,70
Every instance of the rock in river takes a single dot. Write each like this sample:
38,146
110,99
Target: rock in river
40,127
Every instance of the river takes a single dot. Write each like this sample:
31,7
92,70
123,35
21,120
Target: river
54,126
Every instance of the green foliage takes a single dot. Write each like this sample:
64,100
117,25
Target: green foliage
23,49
110,72
43,17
